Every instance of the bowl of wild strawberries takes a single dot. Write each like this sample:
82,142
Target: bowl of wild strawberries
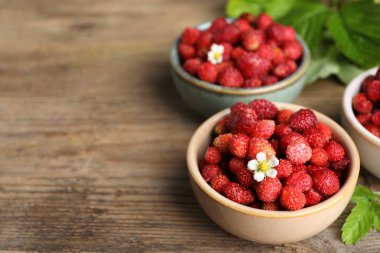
272,172
218,63
361,117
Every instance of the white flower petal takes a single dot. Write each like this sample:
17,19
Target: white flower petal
271,173
273,162
214,47
253,165
220,49
259,176
210,56
261,156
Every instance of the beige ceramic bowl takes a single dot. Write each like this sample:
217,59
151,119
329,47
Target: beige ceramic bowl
272,227
367,143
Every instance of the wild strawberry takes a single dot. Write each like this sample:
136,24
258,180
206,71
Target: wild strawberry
284,169
245,178
218,24
278,56
221,126
243,121
236,164
302,120
231,77
300,180
298,152
257,145
265,51
325,130
269,80
282,130
210,171
276,31
237,52
292,198
361,104
263,21
229,34
248,16
376,118
364,118
270,206
190,36
311,169
202,163
186,51
264,109
224,65
239,107
281,70
239,145
252,83
292,49
263,129
289,33
334,151
283,116
192,65
243,24
252,39
293,137
291,65
276,146
269,189
373,91
315,138
252,65
213,155
319,157
299,167
203,44
238,194
341,164
312,197
375,130
208,72
222,142
256,205
366,82
326,182
219,182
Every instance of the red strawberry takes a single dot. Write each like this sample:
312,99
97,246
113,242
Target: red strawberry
300,180
364,118
270,206
276,146
312,197
203,44
291,138
269,80
224,65
238,194
218,24
269,189
210,171
315,138
334,151
231,77
276,31
239,145
291,65
221,126
298,152
283,116
237,52
192,65
263,129
243,24
361,104
265,51
325,130
190,36
208,72
281,71
245,178
252,39
186,51
252,83
375,130
289,33
229,34
222,142
219,182
264,109
284,169
243,121
213,155
237,164
311,169
366,82
278,56
299,167
373,91
302,120
319,157
376,118
282,130
263,21
292,49
252,65
292,198
326,182
341,164
248,17
257,145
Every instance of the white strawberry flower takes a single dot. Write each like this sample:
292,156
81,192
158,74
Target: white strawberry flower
263,167
215,55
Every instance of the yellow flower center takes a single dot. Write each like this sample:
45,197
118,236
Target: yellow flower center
263,166
217,55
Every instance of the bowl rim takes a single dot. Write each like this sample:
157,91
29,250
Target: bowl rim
351,90
177,68
194,173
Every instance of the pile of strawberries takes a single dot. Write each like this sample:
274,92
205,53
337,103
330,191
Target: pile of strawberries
257,52
366,104
311,166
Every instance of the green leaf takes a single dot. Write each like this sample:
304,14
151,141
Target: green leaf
355,29
308,19
362,193
236,7
347,70
322,65
279,8
376,209
358,223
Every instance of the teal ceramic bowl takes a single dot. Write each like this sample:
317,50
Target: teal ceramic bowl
207,98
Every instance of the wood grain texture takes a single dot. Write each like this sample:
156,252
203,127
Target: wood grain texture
93,135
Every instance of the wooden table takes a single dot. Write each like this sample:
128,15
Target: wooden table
93,134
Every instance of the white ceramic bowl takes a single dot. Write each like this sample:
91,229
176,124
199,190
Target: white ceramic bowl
272,227
367,143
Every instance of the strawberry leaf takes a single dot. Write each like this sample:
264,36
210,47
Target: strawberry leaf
362,193
358,223
236,7
376,223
